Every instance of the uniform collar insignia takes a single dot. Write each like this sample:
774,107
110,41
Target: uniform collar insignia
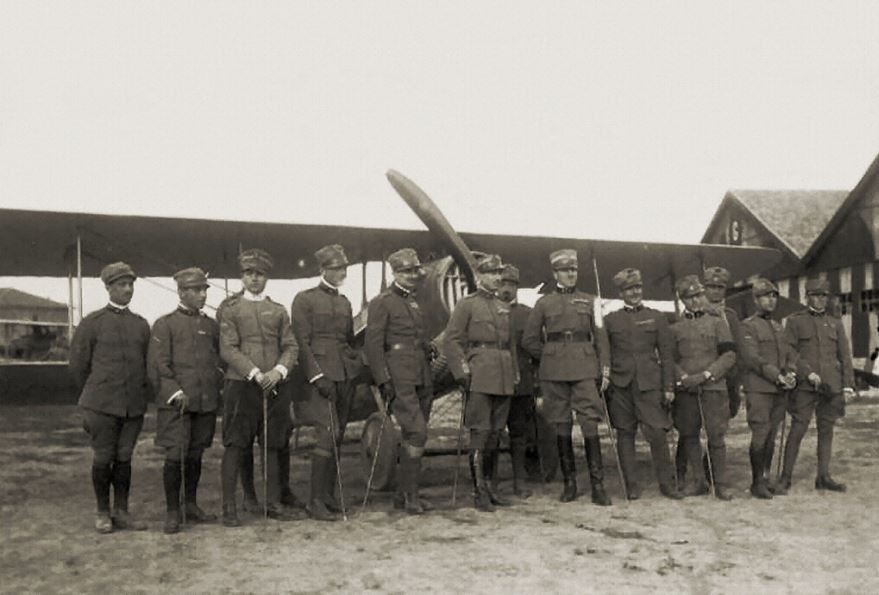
253,297
188,311
817,313
565,290
402,291
116,308
325,285
693,315
637,308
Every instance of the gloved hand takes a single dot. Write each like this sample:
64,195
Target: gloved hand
814,379
432,352
326,388
668,397
605,383
848,393
180,401
272,378
388,393
692,380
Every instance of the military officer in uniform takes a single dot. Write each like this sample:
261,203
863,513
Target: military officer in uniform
324,328
259,348
704,353
769,372
641,381
716,280
398,354
108,362
824,368
574,356
521,416
186,372
481,356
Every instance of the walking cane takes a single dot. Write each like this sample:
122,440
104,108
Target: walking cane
613,443
781,438
464,394
265,454
183,441
378,446
708,449
338,461
537,440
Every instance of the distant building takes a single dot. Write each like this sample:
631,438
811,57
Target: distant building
22,336
833,234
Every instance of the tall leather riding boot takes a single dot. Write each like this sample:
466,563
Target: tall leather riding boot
565,445
768,454
331,483
693,447
229,470
171,481
517,453
411,477
662,467
825,448
288,498
121,489
718,469
681,462
791,452
316,508
596,471
193,477
246,471
626,452
491,464
102,478
481,499
759,488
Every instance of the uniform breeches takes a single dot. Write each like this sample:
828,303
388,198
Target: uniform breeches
486,416
519,420
243,415
194,431
316,411
629,406
765,413
561,398
411,407
715,409
802,405
112,438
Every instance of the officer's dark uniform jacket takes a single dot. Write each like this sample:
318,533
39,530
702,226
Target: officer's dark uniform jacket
766,354
703,342
255,334
525,363
108,362
184,355
640,348
822,348
396,346
561,333
324,329
479,343
731,318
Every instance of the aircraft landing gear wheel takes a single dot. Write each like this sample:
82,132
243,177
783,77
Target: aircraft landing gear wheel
541,448
386,464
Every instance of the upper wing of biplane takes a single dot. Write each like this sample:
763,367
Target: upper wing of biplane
48,243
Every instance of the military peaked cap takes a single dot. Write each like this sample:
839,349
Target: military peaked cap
257,259
489,263
115,271
817,286
510,273
689,286
715,276
761,287
627,278
404,259
331,257
191,277
563,259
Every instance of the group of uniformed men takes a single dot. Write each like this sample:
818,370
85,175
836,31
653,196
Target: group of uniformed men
634,369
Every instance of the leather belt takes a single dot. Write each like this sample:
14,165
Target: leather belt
489,344
403,346
569,337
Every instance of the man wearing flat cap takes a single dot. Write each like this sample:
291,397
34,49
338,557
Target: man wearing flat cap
716,280
521,419
769,366
185,369
259,349
826,380
108,362
481,355
398,354
574,356
324,327
704,353
641,382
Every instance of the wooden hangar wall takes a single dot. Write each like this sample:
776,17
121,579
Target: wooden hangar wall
827,234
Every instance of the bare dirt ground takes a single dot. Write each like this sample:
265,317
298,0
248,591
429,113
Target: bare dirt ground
806,542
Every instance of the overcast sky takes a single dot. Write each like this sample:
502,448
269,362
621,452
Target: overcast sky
621,120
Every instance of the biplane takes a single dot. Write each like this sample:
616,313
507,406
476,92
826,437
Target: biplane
77,245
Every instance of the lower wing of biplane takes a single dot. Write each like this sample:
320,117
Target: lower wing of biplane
76,245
